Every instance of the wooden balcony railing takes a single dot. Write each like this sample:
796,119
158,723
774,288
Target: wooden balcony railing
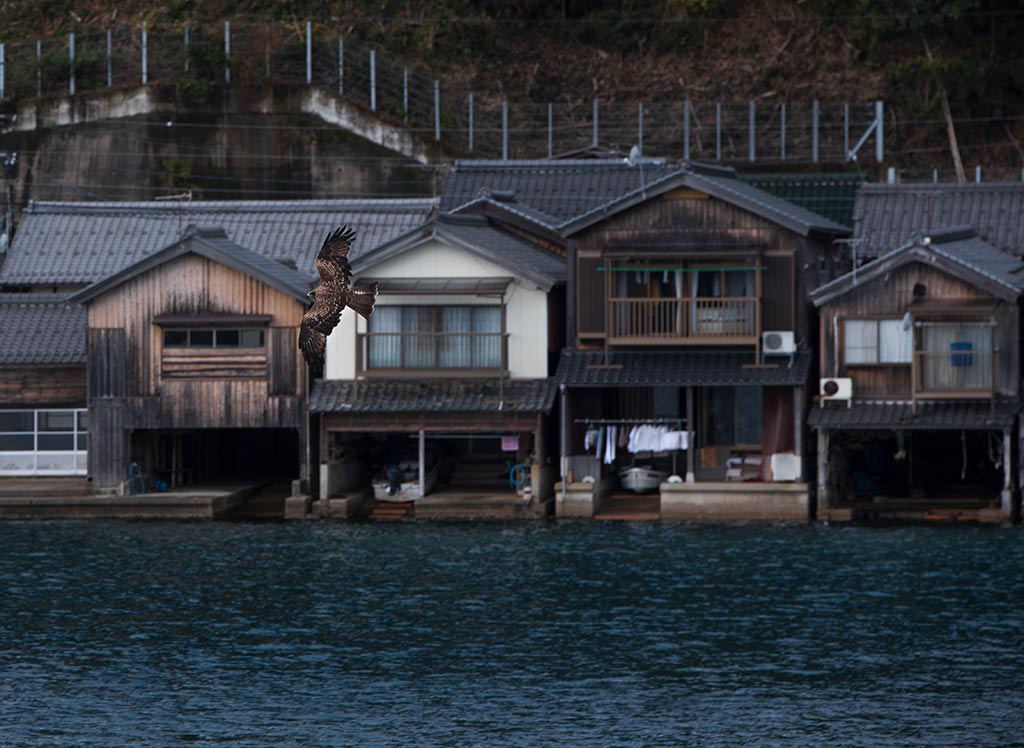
700,320
396,352
954,373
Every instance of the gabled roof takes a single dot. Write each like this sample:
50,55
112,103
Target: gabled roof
27,319
571,195
212,243
80,243
957,250
885,216
476,234
677,368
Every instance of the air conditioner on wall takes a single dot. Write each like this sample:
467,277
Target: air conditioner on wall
778,343
837,388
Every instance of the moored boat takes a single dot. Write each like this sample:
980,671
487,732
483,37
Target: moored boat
640,479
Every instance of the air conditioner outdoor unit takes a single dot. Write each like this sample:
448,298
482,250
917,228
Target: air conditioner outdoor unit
778,343
837,388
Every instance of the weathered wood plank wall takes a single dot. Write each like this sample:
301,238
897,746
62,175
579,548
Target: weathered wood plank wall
42,386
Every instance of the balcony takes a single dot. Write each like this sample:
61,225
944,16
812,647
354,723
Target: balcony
423,353
954,374
698,321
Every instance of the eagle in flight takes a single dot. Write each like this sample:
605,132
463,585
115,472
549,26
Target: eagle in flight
332,295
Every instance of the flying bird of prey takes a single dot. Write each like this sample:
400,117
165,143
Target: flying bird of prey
332,296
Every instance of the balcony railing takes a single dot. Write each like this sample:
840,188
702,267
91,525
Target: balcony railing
673,320
954,373
396,352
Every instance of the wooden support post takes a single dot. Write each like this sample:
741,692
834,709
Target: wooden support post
422,462
539,446
824,500
691,438
1006,497
798,429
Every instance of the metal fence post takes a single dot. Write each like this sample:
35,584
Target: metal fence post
373,80
977,174
504,129
551,131
640,127
846,131
752,148
470,120
718,131
71,64
145,75
782,131
227,51
186,50
341,67
814,131
594,143
879,139
437,109
309,53
686,131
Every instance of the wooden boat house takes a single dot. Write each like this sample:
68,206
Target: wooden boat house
920,382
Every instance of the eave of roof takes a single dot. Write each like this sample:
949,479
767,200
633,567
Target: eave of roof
213,247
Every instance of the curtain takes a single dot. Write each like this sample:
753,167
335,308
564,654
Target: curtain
385,350
860,341
937,370
418,340
487,348
456,343
895,344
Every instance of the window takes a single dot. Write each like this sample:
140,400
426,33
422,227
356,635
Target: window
196,337
43,442
428,337
877,341
956,356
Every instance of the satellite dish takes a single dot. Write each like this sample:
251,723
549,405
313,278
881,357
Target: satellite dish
634,155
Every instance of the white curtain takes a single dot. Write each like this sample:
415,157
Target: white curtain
860,341
895,343
457,323
487,348
418,340
385,350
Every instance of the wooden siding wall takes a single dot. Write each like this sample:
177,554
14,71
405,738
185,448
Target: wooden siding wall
695,223
891,298
42,386
126,351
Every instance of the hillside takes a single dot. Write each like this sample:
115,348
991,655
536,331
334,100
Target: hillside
913,54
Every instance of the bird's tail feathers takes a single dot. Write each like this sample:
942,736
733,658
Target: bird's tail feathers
361,300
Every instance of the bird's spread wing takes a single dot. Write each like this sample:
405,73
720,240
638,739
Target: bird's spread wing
313,345
325,313
334,253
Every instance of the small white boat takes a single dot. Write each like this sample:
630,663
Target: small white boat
642,479
408,483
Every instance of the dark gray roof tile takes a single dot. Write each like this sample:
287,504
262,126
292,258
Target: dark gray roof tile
904,416
441,395
81,243
684,369
886,216
38,329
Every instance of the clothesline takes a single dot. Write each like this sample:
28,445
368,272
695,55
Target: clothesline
650,435
628,421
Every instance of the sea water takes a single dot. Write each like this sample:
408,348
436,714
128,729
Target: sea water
490,634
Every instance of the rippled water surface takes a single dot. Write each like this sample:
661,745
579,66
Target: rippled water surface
572,634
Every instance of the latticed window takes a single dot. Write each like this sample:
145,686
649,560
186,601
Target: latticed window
435,337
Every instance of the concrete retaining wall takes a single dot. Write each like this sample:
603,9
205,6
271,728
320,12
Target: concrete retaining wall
736,501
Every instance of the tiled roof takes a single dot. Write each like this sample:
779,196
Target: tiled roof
831,194
686,369
480,236
38,329
902,415
80,243
955,249
435,395
569,194
210,242
886,216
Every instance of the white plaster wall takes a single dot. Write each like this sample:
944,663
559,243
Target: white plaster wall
525,316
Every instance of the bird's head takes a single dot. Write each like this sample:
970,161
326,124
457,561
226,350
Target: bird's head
311,294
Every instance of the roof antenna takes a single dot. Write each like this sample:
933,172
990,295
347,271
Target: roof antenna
179,198
635,159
